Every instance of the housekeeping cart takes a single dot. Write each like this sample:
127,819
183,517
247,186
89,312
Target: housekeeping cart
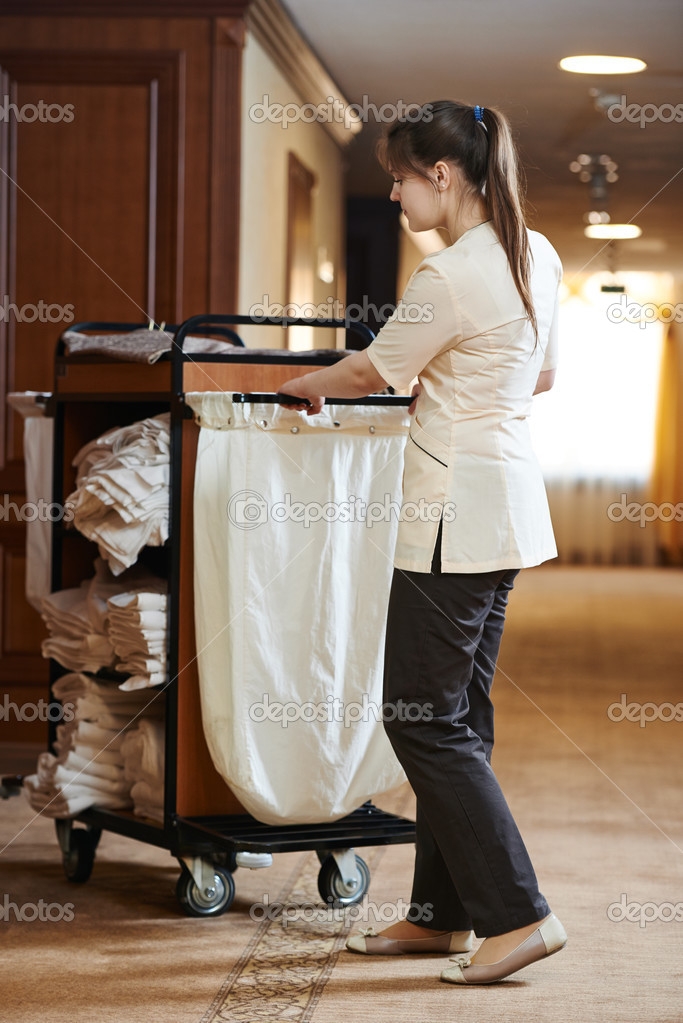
204,826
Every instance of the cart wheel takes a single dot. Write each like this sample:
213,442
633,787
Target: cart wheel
209,902
95,836
78,861
332,888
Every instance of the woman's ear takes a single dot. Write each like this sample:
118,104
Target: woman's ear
443,175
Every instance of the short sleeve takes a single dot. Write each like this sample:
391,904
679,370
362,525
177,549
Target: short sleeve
425,322
552,348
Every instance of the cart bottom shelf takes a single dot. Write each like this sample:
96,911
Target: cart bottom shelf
367,825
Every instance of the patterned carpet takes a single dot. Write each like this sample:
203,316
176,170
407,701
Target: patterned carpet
283,970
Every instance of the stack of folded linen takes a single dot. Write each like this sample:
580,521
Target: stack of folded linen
77,619
60,791
121,496
136,627
89,768
143,758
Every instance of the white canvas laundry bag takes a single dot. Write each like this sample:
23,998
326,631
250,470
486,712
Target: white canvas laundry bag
295,522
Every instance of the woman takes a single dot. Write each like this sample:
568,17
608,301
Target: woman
484,344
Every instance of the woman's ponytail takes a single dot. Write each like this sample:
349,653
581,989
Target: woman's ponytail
503,197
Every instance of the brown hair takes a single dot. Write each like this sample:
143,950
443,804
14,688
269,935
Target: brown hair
486,154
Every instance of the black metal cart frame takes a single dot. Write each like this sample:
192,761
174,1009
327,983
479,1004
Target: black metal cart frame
210,848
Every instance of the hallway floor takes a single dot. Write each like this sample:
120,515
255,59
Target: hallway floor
597,798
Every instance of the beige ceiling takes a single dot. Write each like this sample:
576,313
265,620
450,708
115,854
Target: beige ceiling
505,53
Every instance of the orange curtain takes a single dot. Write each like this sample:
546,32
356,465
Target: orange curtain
667,475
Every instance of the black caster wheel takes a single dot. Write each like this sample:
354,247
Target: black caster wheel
78,861
210,901
334,891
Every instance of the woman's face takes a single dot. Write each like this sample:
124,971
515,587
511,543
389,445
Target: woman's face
419,201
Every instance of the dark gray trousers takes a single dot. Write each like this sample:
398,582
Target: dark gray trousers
472,869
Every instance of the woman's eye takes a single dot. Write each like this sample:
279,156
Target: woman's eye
398,181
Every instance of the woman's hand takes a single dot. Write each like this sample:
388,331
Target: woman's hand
414,394
354,376
298,389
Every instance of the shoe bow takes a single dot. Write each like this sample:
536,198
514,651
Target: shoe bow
462,961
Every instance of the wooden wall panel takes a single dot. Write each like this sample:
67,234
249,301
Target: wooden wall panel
22,669
20,622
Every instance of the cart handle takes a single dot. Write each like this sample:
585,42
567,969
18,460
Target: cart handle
278,398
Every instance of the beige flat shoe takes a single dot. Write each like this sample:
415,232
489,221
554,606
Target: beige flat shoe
547,939
372,944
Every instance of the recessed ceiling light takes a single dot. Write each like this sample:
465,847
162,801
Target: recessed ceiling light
599,64
612,231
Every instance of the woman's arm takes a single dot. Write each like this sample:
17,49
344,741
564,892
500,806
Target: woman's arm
546,379
426,323
351,377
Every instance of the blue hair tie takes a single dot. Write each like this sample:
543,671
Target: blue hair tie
479,116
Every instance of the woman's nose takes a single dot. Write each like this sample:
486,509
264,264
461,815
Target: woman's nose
395,194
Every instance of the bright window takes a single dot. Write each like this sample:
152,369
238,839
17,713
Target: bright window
599,418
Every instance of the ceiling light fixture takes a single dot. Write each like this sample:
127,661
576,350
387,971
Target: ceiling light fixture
599,64
607,231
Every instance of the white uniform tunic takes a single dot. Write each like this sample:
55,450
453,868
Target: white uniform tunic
462,330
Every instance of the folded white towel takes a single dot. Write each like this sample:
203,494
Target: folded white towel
143,756
55,803
121,497
93,766
139,635
137,682
68,688
93,754
142,601
147,802
88,709
63,777
143,753
93,735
